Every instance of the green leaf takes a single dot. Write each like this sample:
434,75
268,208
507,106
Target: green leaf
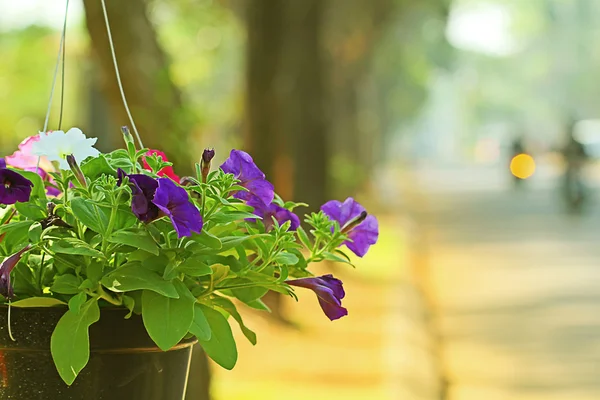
258,305
207,239
70,342
35,232
14,226
304,237
38,302
120,159
97,166
134,276
250,294
30,210
194,266
228,306
39,190
221,346
74,246
334,257
129,302
286,259
135,238
89,214
231,216
95,270
66,284
200,327
168,320
77,302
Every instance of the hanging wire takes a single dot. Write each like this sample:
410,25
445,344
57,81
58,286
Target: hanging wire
62,72
60,52
114,58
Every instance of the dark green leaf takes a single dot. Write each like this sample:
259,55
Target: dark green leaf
168,320
228,306
221,346
90,214
66,284
31,210
70,343
200,327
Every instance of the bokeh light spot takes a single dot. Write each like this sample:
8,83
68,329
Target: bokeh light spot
522,166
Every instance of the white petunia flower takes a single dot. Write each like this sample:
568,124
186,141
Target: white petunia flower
56,145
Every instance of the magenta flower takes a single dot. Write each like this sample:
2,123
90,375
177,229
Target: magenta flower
250,176
329,291
6,267
267,212
174,202
14,187
25,159
166,171
143,188
362,234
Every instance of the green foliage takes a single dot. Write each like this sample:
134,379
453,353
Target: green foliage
87,249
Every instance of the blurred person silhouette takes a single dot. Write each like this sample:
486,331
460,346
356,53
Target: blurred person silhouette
517,147
575,158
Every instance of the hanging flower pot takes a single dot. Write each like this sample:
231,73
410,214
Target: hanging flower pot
111,267
124,363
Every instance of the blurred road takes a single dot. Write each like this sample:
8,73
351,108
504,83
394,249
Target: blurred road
516,284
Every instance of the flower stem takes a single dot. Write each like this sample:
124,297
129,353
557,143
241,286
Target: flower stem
102,294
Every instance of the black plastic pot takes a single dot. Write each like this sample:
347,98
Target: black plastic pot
125,364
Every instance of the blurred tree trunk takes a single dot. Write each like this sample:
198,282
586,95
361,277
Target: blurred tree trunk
154,100
286,130
285,120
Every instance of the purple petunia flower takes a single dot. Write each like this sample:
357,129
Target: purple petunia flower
175,203
363,229
267,212
250,176
2,163
143,188
14,187
330,292
6,267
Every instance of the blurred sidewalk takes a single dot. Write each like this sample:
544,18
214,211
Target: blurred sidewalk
382,350
515,285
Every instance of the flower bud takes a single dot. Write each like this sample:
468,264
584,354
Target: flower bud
127,135
354,222
207,156
76,170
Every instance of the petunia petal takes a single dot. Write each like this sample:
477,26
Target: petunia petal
363,236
